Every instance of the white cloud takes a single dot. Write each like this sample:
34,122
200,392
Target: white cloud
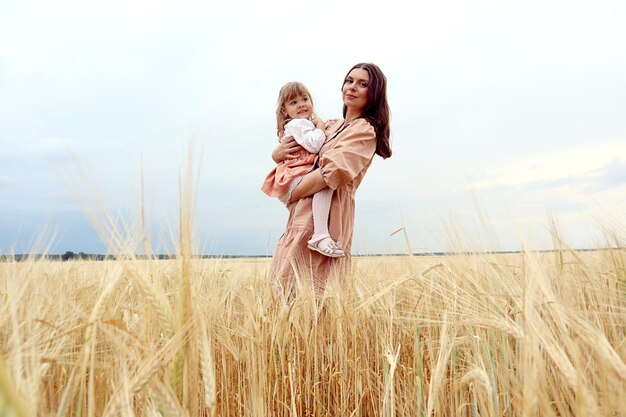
578,165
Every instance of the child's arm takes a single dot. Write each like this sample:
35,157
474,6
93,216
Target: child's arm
306,134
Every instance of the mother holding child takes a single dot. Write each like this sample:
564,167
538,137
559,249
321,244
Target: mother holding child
319,168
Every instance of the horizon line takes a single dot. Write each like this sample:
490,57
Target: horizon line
69,255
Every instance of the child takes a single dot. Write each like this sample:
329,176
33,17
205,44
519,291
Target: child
295,117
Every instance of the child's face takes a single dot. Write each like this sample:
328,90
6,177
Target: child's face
298,107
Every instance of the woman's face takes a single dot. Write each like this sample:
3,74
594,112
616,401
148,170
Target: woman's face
354,89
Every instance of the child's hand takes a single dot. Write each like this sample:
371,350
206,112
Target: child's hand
318,121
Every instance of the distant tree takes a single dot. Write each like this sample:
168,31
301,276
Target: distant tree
68,255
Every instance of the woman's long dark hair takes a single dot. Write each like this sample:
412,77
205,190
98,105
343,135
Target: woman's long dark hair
376,110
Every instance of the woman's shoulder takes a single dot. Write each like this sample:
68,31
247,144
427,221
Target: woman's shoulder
362,125
361,122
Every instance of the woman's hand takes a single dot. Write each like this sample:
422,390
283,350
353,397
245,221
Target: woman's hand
286,150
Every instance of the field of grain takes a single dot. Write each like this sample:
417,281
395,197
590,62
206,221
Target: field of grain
528,334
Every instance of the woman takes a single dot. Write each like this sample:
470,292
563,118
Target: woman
343,161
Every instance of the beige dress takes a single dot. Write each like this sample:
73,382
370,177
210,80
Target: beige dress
343,161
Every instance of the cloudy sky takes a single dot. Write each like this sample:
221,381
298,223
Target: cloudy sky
506,117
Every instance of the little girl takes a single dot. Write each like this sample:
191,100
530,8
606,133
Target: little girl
295,117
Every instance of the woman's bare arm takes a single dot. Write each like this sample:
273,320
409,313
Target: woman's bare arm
310,184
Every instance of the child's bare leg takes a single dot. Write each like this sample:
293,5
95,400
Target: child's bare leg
321,240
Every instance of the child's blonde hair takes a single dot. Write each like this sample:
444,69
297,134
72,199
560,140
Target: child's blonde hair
287,92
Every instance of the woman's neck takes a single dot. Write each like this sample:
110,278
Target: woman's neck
351,115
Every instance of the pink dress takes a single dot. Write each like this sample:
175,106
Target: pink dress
343,162
277,182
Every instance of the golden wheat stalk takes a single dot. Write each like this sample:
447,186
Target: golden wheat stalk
445,349
148,369
10,401
208,370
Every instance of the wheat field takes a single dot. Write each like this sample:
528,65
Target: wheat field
523,334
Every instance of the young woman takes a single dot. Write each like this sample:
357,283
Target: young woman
350,146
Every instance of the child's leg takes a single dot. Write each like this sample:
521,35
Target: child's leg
285,198
321,240
321,211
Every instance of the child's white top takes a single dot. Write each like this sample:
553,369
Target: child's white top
305,133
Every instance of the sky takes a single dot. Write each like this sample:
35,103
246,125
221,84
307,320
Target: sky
507,118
